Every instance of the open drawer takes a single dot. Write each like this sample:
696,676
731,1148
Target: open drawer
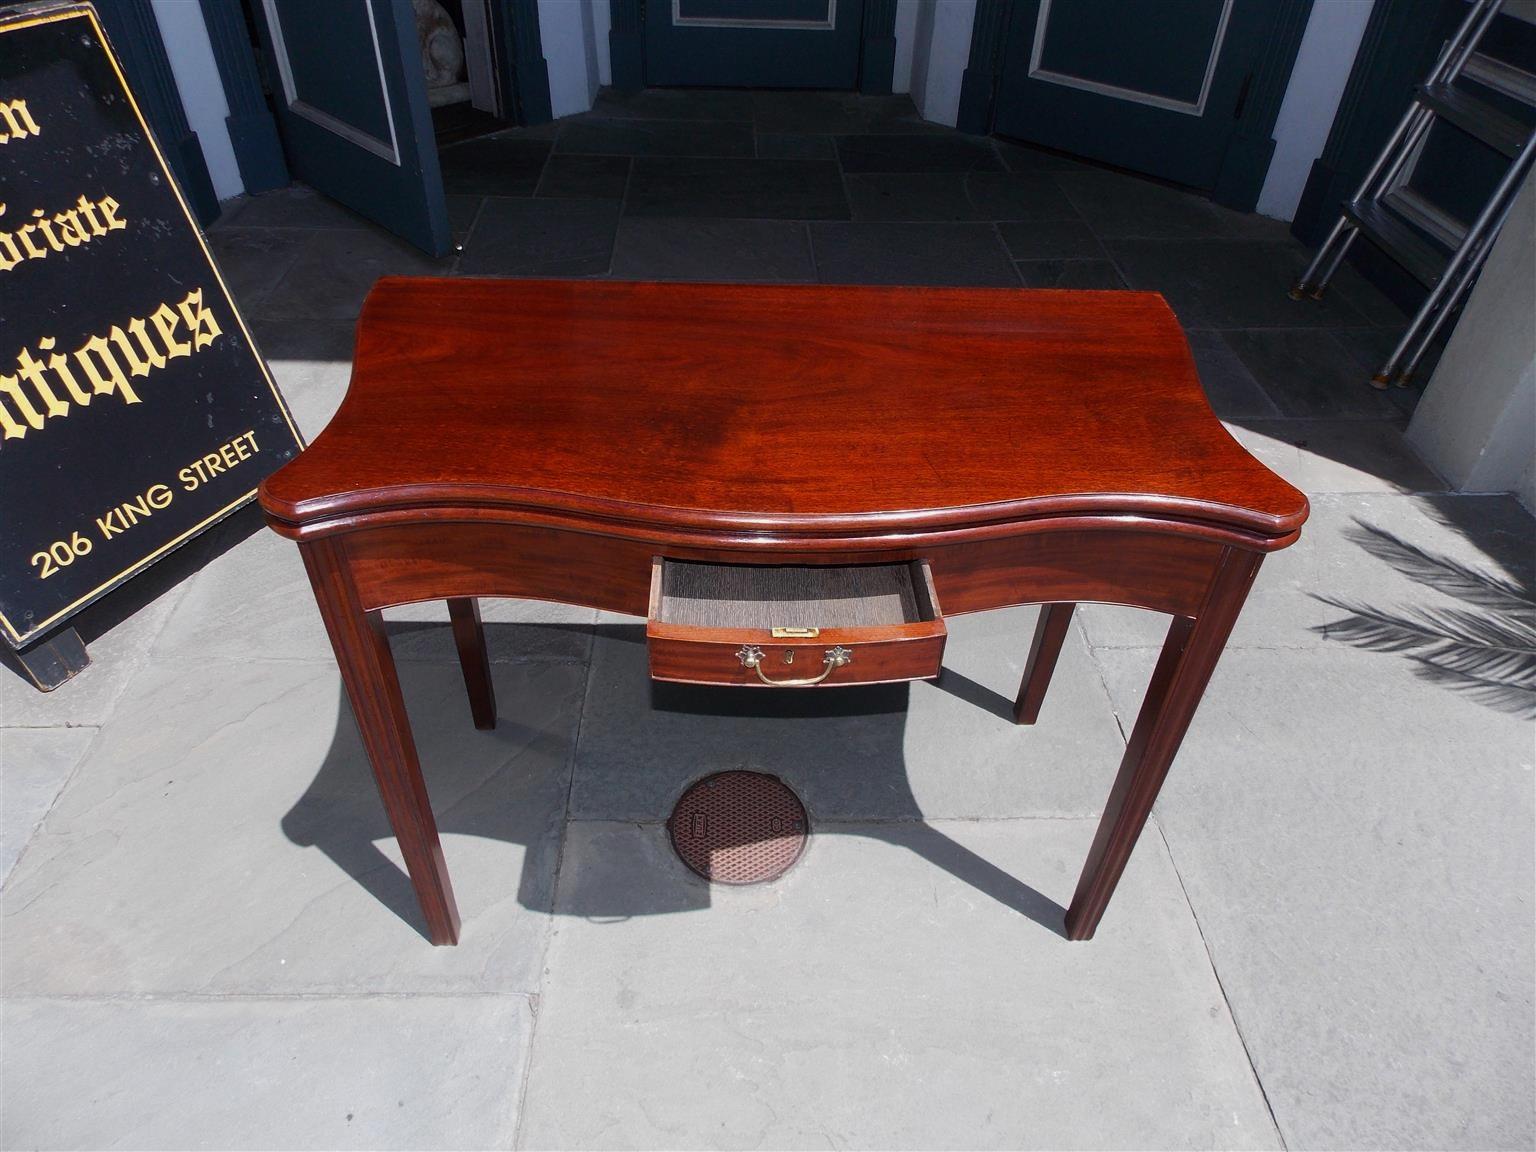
784,626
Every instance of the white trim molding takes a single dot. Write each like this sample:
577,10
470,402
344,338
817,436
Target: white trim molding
1134,96
389,150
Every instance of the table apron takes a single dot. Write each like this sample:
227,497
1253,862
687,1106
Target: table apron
1141,566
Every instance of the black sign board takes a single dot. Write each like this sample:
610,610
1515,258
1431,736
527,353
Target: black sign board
134,409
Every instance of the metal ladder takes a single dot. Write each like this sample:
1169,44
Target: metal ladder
1442,253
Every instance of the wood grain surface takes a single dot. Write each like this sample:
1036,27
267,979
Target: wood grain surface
782,409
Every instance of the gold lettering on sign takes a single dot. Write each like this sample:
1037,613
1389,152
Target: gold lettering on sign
205,329
103,370
45,233
44,389
130,512
229,455
165,324
17,120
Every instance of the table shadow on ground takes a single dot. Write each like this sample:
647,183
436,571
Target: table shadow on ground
480,786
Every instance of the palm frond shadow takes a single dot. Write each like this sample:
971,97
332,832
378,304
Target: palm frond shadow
1486,647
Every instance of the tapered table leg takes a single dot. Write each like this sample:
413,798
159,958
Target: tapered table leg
1050,632
469,636
1189,657
368,671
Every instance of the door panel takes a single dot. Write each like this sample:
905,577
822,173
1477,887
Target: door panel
1152,85
351,100
753,43
1079,45
352,110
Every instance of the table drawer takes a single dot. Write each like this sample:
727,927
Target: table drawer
783,626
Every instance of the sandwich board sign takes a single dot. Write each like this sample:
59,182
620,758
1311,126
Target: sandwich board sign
135,411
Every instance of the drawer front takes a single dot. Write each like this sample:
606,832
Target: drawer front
707,625
752,658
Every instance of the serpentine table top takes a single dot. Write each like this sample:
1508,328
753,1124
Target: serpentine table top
744,409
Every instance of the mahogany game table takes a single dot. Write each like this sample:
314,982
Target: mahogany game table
863,460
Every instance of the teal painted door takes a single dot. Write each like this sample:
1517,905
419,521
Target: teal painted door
352,110
1152,85
753,43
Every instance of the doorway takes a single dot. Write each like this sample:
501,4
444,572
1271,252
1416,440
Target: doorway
462,68
363,94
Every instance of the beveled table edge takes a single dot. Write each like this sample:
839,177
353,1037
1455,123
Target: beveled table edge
757,533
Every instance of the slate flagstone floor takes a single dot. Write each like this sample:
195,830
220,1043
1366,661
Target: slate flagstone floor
1324,939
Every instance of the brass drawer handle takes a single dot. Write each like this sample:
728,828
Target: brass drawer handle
752,657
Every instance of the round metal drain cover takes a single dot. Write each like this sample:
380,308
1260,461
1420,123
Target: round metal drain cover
739,827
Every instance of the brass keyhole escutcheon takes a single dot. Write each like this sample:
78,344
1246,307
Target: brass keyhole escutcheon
789,656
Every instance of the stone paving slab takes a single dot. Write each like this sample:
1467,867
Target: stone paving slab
34,764
1311,374
680,186
297,206
1092,274
1231,389
949,749
672,248
1358,845
1117,204
255,602
304,341
252,261
629,137
544,238
1338,455
313,388
370,1072
1051,240
334,271
493,166
224,836
1223,283
962,254
872,999
88,699
1490,533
